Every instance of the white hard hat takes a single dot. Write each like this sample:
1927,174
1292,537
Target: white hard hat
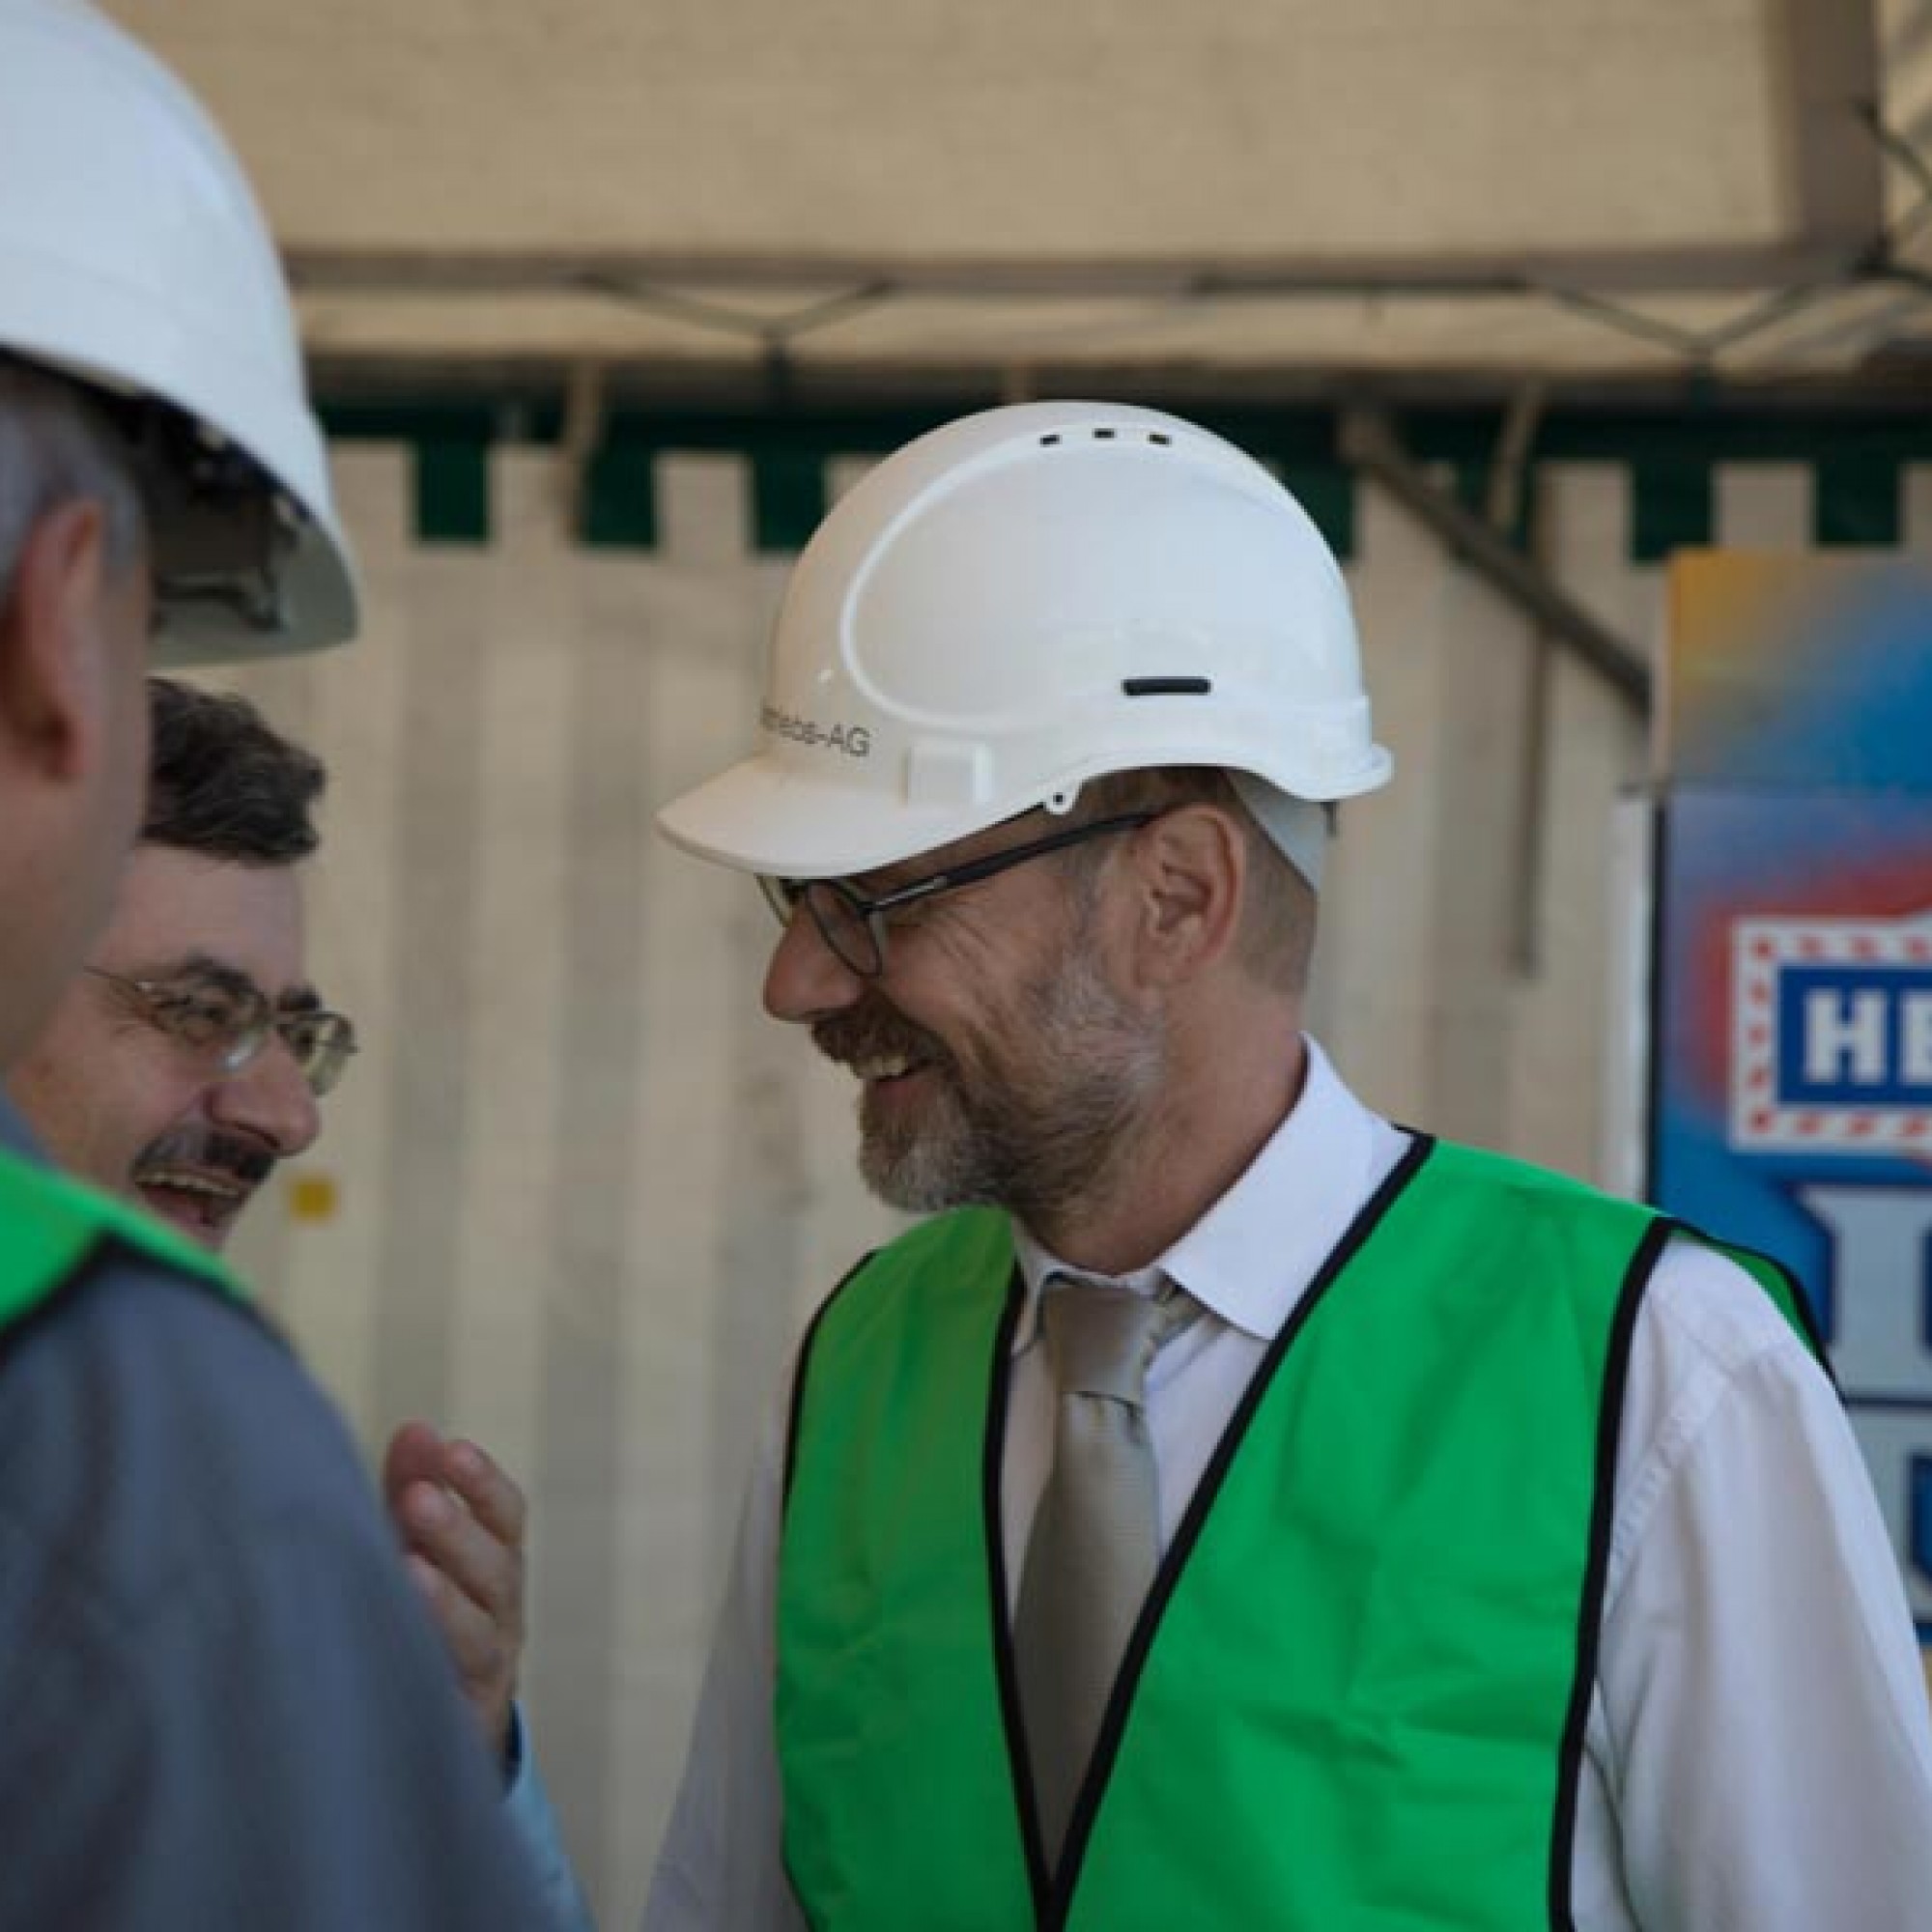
133,259
1027,599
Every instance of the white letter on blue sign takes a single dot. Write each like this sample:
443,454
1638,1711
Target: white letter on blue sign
1837,1027
1914,1040
1883,1354
1879,1341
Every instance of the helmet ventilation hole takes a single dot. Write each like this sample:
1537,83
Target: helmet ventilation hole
1053,439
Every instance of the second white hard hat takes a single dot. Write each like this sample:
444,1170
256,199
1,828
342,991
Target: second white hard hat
1027,599
133,259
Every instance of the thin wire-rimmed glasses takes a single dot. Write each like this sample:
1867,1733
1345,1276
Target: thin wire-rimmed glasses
227,1022
853,926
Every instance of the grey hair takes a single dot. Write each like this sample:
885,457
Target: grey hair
58,444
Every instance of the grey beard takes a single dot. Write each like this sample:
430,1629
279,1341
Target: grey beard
1037,1148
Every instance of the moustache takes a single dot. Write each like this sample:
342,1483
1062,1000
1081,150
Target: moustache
210,1149
875,1030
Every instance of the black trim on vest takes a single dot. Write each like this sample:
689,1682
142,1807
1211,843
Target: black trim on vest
1054,1913
1590,1610
103,1252
1801,1301
1656,856
796,1405
1006,1667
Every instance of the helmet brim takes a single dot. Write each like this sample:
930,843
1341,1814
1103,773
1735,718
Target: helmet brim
318,599
762,817
318,590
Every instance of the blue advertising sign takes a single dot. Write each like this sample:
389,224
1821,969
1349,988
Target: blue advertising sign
1791,1042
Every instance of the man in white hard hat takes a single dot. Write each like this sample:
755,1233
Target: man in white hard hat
226,1707
1228,1509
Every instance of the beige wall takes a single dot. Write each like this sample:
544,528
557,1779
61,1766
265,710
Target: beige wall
585,1194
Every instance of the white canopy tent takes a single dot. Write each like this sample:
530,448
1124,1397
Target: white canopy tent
1240,191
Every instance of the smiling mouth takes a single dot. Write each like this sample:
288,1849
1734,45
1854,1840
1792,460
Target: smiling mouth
202,1205
873,1068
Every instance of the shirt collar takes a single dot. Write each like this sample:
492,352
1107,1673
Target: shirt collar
1252,1255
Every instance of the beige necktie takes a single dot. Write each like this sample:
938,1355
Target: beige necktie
1095,1541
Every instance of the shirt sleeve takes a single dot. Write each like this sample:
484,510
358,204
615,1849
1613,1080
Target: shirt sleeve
1763,1716
722,1864
527,1806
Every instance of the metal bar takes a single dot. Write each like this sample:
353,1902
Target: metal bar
1510,468
1889,390
1774,308
771,329
1515,500
1630,322
674,303
583,429
1896,145
1368,444
1713,269
1830,51
1532,820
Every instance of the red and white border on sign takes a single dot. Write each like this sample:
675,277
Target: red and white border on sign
1759,949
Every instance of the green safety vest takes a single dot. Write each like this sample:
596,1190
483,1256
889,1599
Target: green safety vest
1356,1695
51,1227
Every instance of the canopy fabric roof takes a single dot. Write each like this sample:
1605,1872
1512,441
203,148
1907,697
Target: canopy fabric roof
1487,189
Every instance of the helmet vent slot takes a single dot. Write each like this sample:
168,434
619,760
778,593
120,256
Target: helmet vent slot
1167,686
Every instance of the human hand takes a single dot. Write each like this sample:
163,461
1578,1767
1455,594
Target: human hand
461,1522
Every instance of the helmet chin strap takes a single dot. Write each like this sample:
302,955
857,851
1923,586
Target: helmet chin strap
1297,827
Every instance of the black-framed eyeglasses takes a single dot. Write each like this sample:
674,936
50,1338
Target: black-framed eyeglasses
227,1023
853,926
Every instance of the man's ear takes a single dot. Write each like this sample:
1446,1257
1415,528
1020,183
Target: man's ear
1190,868
55,639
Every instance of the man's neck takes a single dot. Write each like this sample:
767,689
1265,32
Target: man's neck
1202,1133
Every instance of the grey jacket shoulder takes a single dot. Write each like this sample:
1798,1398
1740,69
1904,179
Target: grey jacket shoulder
225,1706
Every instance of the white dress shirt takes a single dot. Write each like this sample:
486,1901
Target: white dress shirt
1758,1756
